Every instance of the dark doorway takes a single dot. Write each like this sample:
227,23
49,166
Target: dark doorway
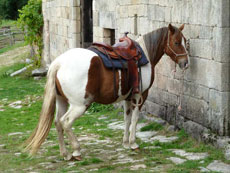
87,22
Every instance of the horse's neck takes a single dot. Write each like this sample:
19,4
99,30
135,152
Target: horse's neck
155,42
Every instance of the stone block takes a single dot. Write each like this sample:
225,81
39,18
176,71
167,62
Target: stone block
156,12
95,18
201,48
196,110
75,13
139,1
224,17
142,10
194,129
207,73
75,3
195,90
75,26
123,12
107,19
154,108
221,44
98,31
219,101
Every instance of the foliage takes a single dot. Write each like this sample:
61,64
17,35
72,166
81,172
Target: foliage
9,8
31,21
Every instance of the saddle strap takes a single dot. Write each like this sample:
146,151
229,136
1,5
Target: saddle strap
114,74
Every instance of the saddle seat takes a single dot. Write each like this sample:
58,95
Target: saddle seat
125,49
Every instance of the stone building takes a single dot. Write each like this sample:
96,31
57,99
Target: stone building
206,96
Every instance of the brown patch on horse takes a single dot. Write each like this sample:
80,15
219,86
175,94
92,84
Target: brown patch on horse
59,89
100,85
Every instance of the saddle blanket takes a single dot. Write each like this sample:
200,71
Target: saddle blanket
119,63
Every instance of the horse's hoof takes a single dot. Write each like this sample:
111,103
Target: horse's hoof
77,158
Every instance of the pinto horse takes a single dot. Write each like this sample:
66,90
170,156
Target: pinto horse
78,78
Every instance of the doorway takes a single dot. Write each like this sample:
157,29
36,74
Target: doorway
87,22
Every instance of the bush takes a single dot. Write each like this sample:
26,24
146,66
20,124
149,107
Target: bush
31,21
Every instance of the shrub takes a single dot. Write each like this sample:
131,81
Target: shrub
31,21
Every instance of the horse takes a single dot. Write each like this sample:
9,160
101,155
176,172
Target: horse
78,78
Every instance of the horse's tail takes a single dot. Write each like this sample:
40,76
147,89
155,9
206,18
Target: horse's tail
47,113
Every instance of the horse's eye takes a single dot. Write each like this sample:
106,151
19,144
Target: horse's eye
177,43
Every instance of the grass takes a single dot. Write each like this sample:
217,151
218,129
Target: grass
8,48
100,156
11,23
152,127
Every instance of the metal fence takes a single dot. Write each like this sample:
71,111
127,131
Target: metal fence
9,37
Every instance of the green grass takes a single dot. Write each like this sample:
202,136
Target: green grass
11,23
8,48
152,127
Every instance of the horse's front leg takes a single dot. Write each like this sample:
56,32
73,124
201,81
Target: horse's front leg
135,116
127,119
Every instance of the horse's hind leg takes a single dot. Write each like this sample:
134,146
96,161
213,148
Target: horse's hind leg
74,112
127,119
135,117
61,107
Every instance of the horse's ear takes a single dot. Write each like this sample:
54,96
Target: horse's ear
171,28
181,27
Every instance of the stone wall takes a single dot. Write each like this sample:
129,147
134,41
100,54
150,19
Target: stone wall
62,28
206,97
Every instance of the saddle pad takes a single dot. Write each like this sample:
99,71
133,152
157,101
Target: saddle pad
116,63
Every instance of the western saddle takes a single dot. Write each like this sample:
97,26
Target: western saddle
125,49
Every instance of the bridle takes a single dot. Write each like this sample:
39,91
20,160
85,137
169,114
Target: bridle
176,54
183,72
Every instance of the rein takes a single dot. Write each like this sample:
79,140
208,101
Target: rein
183,72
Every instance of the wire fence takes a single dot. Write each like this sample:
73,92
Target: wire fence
10,36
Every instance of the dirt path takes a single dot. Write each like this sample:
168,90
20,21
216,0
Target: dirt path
12,56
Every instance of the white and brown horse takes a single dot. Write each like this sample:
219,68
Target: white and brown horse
78,78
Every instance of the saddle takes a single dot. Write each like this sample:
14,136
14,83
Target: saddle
126,49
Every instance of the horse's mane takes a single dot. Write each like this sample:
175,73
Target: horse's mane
154,41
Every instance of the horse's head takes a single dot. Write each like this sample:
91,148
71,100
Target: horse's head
176,46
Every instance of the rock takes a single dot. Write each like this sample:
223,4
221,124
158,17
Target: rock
40,72
219,166
18,72
171,128
17,154
28,61
136,167
177,160
2,145
37,78
119,125
202,169
164,139
190,156
15,133
227,152
145,136
16,105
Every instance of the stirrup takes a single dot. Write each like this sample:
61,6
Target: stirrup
137,104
